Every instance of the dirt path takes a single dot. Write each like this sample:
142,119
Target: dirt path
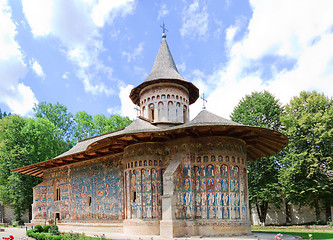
17,233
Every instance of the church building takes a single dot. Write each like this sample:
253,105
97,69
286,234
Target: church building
162,175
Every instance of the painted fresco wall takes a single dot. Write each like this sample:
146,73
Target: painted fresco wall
89,191
211,184
144,180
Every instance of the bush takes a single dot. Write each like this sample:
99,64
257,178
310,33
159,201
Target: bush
14,223
46,228
38,229
54,229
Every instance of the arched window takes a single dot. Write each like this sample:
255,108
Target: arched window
153,98
143,111
185,114
151,112
163,96
160,107
168,96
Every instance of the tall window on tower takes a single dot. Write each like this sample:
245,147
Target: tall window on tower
185,114
151,112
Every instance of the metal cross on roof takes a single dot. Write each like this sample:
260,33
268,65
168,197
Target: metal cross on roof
204,100
164,30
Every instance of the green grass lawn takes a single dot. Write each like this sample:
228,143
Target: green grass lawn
317,233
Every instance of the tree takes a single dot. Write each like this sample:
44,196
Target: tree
4,114
24,142
307,176
261,109
59,116
88,126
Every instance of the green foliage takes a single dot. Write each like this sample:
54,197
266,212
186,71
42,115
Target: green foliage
59,116
46,228
88,126
62,236
261,109
307,173
4,114
54,229
38,229
24,142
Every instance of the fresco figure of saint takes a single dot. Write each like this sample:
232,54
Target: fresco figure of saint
218,185
211,212
225,197
225,185
197,171
153,174
187,184
225,214
210,185
203,185
186,171
148,186
232,185
197,185
197,199
211,199
202,171
217,170
219,198
219,212
210,171
204,212
203,198
236,172
188,211
187,198
236,186
224,171
198,212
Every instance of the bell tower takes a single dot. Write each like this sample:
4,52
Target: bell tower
165,96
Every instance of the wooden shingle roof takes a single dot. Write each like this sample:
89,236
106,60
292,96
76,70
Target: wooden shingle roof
260,142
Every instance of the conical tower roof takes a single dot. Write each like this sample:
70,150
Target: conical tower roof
164,66
164,71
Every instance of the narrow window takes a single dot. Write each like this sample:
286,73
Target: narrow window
89,201
133,196
185,114
151,112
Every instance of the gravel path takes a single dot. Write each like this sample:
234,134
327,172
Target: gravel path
17,233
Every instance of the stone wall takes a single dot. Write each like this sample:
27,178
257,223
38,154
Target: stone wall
7,214
277,216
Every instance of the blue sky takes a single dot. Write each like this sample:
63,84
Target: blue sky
88,55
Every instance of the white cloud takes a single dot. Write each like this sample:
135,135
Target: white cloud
163,11
127,106
303,34
195,21
77,25
106,10
38,69
134,54
17,96
66,75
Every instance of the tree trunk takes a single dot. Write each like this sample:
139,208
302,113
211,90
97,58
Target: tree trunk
317,210
328,211
288,213
262,212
